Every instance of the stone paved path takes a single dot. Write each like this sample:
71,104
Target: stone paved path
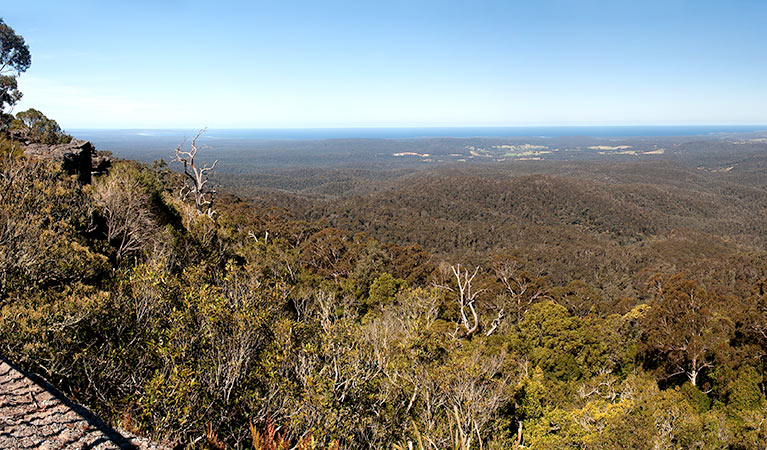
34,415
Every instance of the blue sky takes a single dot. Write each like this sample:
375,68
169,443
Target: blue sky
163,64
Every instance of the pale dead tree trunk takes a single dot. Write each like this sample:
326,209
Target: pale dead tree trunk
496,322
697,365
196,177
469,319
466,298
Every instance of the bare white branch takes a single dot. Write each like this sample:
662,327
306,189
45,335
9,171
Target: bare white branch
196,177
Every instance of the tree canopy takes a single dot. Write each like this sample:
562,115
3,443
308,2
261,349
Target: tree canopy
34,125
14,60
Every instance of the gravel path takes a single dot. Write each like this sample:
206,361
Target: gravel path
35,415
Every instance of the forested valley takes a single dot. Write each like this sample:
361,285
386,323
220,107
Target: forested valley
603,306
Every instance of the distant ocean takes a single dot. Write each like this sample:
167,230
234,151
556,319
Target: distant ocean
97,135
245,149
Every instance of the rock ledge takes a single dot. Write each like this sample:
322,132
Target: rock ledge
34,414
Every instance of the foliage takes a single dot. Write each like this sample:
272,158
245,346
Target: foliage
33,125
45,217
124,204
686,330
14,59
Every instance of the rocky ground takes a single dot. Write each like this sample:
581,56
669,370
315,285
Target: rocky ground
35,415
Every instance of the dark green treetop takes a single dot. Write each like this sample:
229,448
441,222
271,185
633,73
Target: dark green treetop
36,126
14,59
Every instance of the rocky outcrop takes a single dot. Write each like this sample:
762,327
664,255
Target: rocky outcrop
76,157
34,414
100,163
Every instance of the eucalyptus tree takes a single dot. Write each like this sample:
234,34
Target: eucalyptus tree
14,60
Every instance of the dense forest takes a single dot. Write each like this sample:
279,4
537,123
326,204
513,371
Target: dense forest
587,306
583,323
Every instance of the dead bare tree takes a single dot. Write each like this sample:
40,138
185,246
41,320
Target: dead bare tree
196,177
466,298
496,322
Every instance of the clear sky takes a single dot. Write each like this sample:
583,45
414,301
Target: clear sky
163,64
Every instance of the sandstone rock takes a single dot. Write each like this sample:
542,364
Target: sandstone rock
76,157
